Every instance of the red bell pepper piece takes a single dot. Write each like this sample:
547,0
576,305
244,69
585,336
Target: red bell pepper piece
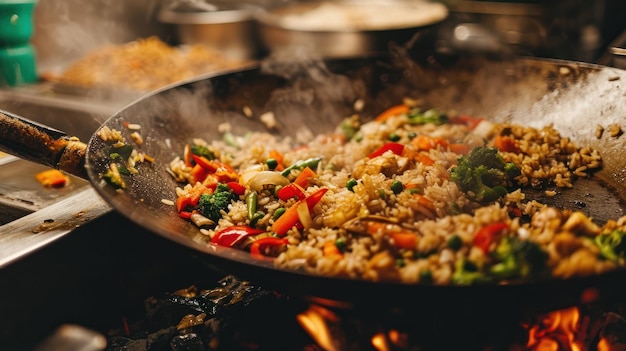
237,188
185,214
230,236
290,191
290,217
224,172
486,235
269,245
396,148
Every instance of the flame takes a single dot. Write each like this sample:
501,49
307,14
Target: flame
555,330
315,322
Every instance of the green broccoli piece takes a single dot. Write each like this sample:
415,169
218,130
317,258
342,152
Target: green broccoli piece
201,150
612,245
429,116
467,273
519,259
211,205
484,173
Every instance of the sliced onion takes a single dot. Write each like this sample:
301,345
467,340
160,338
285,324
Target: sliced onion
262,179
304,215
250,172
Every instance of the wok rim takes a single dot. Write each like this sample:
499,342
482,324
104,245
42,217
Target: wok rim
242,264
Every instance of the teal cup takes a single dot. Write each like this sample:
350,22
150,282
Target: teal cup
16,21
18,65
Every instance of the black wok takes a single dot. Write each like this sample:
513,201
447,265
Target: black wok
574,97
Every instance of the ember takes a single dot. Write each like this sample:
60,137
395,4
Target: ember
234,314
589,327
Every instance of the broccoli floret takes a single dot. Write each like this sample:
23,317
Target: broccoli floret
201,150
519,259
612,245
484,173
428,116
211,205
467,273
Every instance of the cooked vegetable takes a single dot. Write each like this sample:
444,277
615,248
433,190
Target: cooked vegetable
396,148
612,245
211,205
483,174
231,236
52,178
429,116
519,259
467,272
113,177
300,165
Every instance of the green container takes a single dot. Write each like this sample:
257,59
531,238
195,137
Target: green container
16,21
18,65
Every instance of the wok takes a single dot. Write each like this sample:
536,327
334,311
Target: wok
313,95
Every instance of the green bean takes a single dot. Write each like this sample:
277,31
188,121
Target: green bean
251,203
310,162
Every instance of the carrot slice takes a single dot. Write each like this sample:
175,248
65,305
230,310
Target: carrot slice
331,250
303,178
506,143
404,240
392,112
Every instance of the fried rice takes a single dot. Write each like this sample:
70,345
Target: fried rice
397,215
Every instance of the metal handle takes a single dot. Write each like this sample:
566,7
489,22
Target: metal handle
41,144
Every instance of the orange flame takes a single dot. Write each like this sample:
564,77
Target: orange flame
315,322
554,331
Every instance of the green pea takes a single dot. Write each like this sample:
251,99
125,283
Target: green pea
412,135
350,184
271,163
455,242
393,137
397,187
426,277
341,244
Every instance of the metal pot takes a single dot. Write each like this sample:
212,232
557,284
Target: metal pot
226,27
304,27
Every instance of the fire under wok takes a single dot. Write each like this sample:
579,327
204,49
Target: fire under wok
313,94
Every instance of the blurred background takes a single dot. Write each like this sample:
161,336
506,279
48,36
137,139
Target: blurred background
73,63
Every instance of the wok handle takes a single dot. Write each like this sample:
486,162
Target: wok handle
41,144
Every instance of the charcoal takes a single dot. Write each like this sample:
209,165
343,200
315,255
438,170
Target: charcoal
119,343
187,342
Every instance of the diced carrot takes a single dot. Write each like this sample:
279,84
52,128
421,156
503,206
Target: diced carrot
52,178
285,222
392,112
424,159
423,142
331,250
506,143
404,239
303,178
461,149
275,154
425,202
